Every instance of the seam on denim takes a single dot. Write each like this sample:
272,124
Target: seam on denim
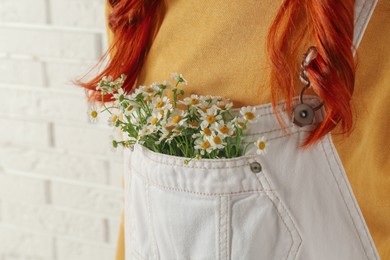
223,200
270,131
204,167
288,215
241,158
227,226
195,192
281,105
219,228
342,195
349,191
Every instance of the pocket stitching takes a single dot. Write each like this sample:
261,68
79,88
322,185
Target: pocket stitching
288,215
194,192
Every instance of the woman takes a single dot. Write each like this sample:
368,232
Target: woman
220,47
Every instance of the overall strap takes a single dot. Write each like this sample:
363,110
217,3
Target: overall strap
363,13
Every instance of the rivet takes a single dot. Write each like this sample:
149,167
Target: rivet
255,167
303,115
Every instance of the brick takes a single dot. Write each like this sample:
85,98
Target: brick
54,164
74,250
20,244
22,189
101,200
116,174
55,106
50,220
89,139
20,11
85,13
61,74
20,71
47,104
23,132
51,42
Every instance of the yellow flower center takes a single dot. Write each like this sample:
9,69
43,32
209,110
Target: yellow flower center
94,114
242,125
160,104
149,90
129,107
261,145
154,121
114,118
176,119
217,140
249,115
222,106
205,144
193,124
210,119
224,129
207,131
170,127
194,101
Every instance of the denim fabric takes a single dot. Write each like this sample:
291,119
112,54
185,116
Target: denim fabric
298,206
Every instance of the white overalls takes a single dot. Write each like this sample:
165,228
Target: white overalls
287,204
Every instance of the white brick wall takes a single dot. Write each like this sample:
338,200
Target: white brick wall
60,183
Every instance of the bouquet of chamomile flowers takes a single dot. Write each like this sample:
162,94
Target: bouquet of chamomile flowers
192,127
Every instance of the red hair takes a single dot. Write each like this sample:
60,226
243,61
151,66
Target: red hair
328,22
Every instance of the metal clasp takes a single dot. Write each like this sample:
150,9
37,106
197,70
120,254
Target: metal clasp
303,113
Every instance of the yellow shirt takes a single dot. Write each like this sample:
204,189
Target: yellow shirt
220,50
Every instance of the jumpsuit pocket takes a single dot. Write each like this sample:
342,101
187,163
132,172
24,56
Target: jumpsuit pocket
208,209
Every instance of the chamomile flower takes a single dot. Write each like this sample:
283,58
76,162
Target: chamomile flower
155,118
193,100
178,118
93,113
168,126
203,145
216,141
193,124
167,135
129,107
147,91
147,130
161,103
119,95
206,131
240,123
261,145
113,119
166,83
225,129
249,113
179,77
224,104
210,117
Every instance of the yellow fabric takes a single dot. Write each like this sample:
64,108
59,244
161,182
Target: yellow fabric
220,50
